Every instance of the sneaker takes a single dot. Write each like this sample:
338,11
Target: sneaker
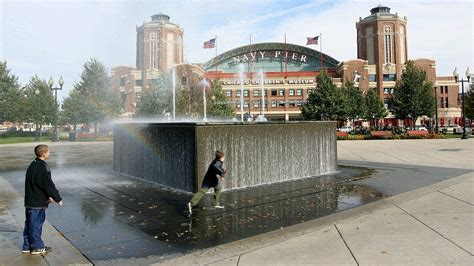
25,251
219,207
190,208
40,251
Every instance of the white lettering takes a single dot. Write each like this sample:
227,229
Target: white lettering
253,55
294,56
277,54
245,57
236,59
303,58
262,54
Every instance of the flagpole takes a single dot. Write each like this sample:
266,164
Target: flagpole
286,59
216,55
320,52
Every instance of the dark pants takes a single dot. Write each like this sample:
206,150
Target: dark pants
33,228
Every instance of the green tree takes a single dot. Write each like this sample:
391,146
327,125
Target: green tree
157,100
190,102
219,105
413,94
11,97
76,109
327,102
375,106
95,86
39,104
469,103
356,105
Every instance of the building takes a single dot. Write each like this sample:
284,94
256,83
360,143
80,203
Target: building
159,48
288,70
284,72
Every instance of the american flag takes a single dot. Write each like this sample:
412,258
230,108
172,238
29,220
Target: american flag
312,40
209,44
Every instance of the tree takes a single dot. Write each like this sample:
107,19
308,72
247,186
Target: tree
218,103
469,103
11,97
356,105
413,94
96,88
327,102
76,109
375,106
157,100
39,104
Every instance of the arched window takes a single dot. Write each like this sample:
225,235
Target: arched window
387,30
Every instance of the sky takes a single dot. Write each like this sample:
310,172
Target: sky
55,38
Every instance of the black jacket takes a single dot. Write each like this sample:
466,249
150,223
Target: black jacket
39,186
215,169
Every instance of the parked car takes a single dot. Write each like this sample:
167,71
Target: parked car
346,129
419,128
455,129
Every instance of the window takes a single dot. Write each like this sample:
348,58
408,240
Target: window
228,93
256,104
122,81
255,93
274,92
139,82
237,93
274,104
372,77
441,89
299,92
246,93
281,92
388,44
281,104
447,103
292,92
385,103
446,89
310,91
246,104
389,77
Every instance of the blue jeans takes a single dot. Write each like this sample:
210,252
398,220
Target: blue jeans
33,228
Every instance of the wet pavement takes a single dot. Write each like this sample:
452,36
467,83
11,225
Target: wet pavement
107,215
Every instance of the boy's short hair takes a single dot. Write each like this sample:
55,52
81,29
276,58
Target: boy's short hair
40,150
219,154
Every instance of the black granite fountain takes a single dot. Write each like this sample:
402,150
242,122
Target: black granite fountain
177,155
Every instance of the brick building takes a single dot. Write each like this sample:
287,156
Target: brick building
289,70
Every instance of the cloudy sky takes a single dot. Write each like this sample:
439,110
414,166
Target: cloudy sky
54,38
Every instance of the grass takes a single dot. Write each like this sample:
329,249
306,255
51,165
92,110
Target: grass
455,136
12,140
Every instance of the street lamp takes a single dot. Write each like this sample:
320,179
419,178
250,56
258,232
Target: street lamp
456,77
51,83
436,110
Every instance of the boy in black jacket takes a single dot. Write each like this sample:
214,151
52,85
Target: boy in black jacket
39,192
211,179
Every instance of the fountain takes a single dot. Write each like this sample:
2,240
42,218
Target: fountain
177,154
173,82
241,76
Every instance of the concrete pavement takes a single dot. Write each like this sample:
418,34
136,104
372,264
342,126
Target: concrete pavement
419,224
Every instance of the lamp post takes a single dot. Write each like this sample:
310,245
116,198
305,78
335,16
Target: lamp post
436,110
51,83
456,78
